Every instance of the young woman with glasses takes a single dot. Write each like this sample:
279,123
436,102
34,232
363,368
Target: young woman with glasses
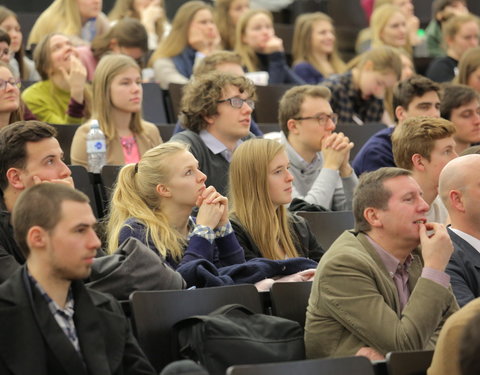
10,104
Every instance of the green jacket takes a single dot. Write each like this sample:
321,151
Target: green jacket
434,39
51,104
354,303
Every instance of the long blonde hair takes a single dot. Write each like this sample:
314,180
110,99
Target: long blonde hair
251,204
468,64
61,16
384,59
107,69
20,54
378,22
248,55
124,8
177,39
135,196
302,43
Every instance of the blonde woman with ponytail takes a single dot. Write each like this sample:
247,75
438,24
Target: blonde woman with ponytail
260,188
152,202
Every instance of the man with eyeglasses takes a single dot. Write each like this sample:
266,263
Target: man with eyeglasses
216,110
319,158
461,105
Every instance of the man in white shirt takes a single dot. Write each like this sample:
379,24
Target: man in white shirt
460,191
424,145
319,158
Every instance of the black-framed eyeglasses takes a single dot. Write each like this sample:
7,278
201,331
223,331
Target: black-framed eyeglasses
237,102
4,52
321,119
14,82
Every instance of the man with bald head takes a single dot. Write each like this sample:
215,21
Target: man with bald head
459,188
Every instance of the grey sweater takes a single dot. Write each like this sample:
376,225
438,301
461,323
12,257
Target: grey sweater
318,185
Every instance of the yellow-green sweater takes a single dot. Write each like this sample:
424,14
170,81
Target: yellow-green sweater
51,104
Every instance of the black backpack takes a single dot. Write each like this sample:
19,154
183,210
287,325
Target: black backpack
234,335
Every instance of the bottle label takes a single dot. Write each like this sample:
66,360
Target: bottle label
96,146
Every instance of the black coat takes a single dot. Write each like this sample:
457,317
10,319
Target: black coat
304,240
464,270
32,342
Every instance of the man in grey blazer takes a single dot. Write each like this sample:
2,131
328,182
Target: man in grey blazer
374,292
460,191
50,323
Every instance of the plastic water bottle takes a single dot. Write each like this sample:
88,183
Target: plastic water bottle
96,148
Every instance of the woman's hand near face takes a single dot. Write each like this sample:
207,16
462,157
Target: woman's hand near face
76,78
274,44
151,14
211,208
223,201
203,42
413,24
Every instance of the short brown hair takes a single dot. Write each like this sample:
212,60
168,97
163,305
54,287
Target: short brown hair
210,62
201,96
292,101
45,213
455,96
128,32
371,192
417,135
413,87
13,140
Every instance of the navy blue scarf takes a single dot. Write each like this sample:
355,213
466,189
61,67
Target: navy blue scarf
184,61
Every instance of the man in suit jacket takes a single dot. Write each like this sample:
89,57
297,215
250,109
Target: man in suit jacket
373,291
460,191
49,322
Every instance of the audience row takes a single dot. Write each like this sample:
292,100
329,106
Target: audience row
214,201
